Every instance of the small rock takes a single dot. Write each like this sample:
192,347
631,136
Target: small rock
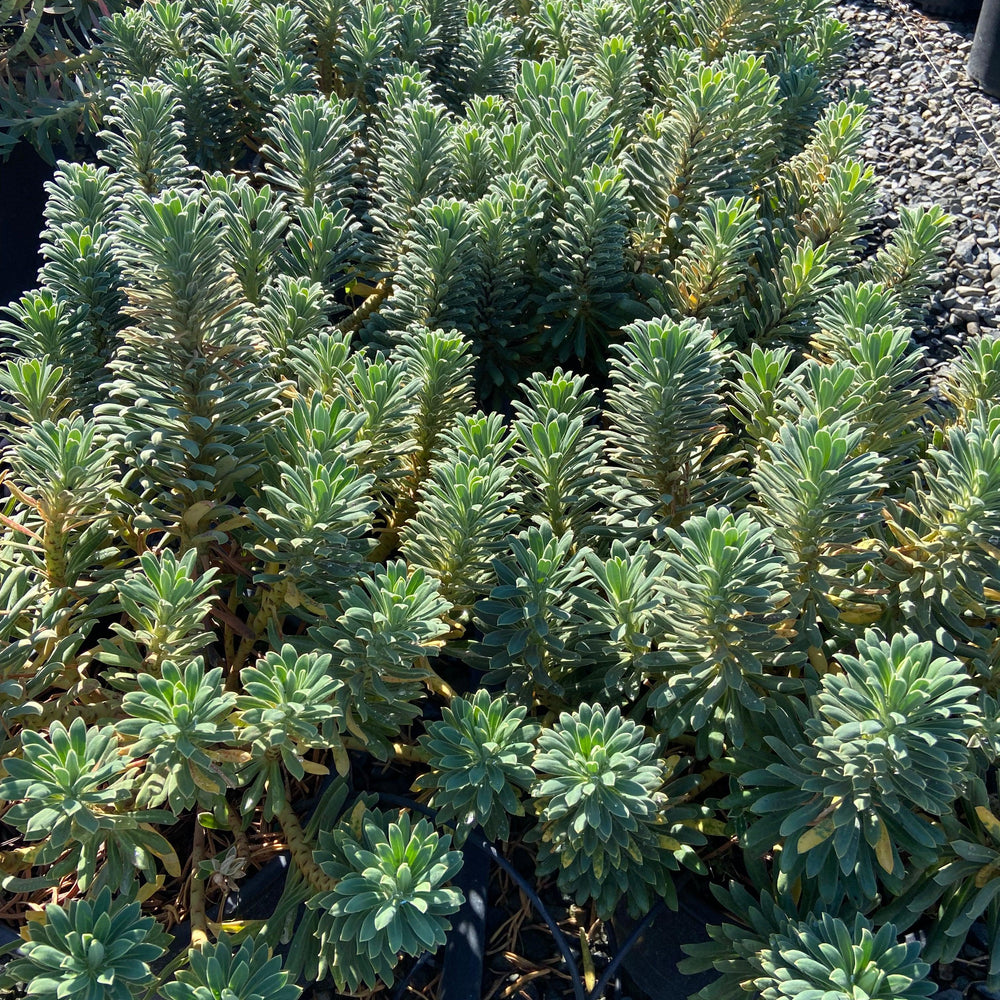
965,249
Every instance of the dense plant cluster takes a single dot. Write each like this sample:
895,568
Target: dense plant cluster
50,89
394,344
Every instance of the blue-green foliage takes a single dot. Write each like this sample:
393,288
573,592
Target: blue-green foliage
397,340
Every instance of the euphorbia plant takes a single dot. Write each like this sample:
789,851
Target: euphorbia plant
288,454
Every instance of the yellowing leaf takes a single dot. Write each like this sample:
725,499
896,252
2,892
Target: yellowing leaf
353,727
883,849
236,929
861,614
987,873
294,598
711,827
203,780
171,862
193,515
987,547
147,890
786,628
169,858
224,756
313,768
233,522
341,760
357,817
12,862
989,821
815,836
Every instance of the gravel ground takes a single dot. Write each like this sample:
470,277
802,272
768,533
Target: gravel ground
934,138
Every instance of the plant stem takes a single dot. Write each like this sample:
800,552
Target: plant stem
388,542
236,827
199,918
270,602
436,684
301,850
54,546
353,322
587,960
31,24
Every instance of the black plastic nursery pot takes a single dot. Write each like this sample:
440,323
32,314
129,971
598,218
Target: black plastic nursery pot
952,10
984,57
649,967
461,959
23,178
643,953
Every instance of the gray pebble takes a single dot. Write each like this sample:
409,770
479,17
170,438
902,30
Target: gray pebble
925,123
966,249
